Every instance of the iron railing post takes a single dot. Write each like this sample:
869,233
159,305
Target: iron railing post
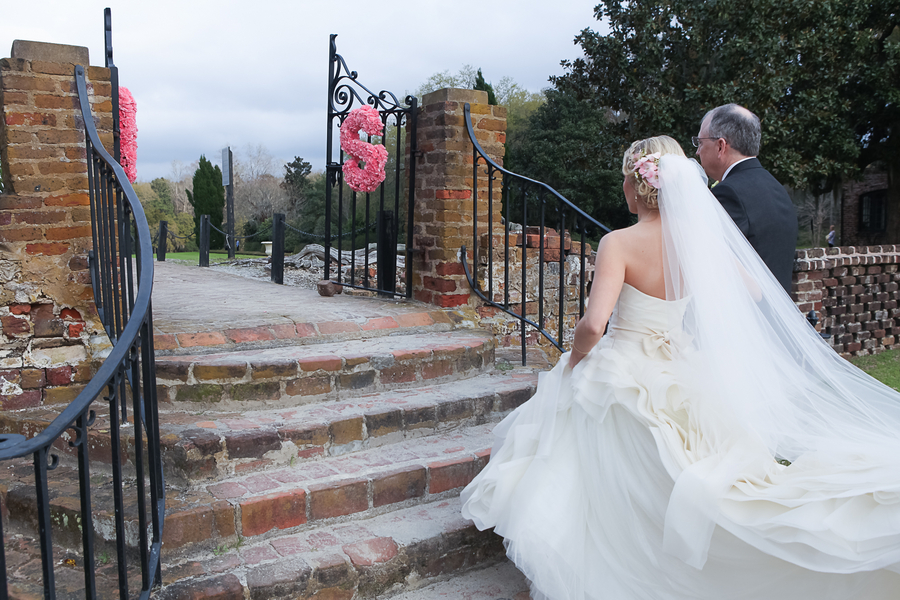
411,127
204,240
277,272
331,168
387,249
161,241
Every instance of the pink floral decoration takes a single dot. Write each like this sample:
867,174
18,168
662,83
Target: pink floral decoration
648,168
128,133
368,178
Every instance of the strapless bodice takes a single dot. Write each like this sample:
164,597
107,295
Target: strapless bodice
653,323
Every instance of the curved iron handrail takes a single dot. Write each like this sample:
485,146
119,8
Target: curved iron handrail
564,205
124,304
493,164
120,350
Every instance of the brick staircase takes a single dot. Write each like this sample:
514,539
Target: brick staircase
304,461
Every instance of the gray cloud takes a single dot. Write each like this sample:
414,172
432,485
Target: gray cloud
206,74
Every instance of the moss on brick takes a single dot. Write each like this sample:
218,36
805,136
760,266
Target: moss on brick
204,392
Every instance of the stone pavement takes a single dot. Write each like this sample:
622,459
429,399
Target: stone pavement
196,310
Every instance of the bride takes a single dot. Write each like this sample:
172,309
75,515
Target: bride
709,445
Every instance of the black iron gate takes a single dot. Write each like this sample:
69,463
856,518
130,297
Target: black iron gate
379,218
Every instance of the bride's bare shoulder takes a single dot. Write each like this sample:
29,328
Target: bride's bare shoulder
636,234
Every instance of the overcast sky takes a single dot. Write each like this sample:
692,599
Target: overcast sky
209,74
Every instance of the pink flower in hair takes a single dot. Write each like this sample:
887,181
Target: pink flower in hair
646,167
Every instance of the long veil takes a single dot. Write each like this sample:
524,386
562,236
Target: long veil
787,446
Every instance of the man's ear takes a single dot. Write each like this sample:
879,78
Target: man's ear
721,147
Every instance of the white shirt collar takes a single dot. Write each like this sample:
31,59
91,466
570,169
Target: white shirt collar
728,170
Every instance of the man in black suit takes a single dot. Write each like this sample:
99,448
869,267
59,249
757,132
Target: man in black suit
761,208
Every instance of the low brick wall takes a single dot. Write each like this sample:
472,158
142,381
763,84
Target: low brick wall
855,291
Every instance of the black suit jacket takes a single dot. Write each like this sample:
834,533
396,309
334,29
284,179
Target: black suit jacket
763,211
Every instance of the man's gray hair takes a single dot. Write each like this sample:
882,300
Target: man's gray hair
737,126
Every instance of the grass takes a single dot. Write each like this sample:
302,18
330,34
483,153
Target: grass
194,257
884,367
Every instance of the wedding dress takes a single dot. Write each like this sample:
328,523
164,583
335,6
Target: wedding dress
710,446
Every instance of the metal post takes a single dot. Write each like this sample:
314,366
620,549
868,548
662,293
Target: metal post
387,252
228,182
204,240
161,243
331,168
411,121
278,248
114,83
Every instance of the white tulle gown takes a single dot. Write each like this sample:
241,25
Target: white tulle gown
634,476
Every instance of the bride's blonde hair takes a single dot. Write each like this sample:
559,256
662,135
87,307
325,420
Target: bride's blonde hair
646,193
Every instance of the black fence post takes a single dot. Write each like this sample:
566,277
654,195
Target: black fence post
204,240
278,248
161,241
387,252
228,182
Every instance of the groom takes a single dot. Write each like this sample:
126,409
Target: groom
761,208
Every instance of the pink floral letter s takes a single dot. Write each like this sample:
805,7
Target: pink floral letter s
365,179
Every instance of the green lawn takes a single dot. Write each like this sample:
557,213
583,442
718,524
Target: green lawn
884,367
194,257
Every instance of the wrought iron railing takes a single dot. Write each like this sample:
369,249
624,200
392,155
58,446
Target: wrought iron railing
345,91
520,197
122,278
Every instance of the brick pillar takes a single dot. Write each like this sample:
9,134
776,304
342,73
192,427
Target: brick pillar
49,323
443,210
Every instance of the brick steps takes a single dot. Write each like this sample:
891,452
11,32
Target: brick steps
368,482
273,331
268,504
207,445
203,446
370,558
502,581
301,374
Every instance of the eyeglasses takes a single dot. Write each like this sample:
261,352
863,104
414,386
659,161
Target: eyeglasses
696,140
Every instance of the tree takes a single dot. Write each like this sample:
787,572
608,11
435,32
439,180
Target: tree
258,192
296,183
480,84
464,79
208,198
181,181
163,190
821,75
566,146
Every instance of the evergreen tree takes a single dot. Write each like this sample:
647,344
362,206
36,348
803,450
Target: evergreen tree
481,84
208,198
296,183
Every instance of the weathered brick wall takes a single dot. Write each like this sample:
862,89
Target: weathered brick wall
443,207
855,292
50,331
